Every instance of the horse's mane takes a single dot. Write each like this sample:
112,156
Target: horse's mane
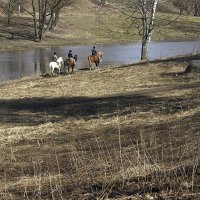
59,58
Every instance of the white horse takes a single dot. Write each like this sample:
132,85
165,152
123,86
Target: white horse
57,65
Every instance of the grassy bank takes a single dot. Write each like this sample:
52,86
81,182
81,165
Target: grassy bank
89,24
112,133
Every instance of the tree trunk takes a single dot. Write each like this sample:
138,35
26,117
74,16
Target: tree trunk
144,51
103,2
10,11
152,18
19,7
35,20
196,8
42,17
54,20
147,29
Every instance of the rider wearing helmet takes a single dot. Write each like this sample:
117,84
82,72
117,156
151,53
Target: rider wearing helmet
70,56
55,57
94,52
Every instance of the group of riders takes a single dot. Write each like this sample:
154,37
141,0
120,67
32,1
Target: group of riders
70,55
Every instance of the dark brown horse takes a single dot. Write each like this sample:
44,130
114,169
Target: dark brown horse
96,59
70,63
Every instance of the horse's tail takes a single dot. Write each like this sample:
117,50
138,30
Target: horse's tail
65,63
50,68
100,55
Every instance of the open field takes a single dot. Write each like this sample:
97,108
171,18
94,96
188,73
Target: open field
126,133
113,133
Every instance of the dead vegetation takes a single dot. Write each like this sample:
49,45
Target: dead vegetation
112,133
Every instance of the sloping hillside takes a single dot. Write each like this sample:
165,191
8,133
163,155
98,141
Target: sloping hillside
86,23
114,133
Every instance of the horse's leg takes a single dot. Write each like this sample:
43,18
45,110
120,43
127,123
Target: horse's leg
90,65
96,65
51,71
64,68
68,69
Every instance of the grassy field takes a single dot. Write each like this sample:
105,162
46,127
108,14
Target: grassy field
118,132
112,133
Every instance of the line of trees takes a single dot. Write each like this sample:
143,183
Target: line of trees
188,6
45,13
8,8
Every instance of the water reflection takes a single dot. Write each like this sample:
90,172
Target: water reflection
15,64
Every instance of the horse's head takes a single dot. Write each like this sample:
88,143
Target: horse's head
100,55
75,57
60,61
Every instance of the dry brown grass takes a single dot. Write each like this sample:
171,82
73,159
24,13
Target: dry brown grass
108,133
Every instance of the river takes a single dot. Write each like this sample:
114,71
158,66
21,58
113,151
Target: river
16,64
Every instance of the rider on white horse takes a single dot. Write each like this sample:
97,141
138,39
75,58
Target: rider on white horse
56,65
55,57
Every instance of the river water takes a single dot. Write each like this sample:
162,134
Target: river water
16,64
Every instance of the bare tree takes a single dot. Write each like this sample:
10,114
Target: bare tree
138,15
8,9
189,7
19,7
45,15
147,25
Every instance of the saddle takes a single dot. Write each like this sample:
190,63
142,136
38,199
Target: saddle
70,61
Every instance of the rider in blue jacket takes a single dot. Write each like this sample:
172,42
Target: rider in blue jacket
94,52
70,56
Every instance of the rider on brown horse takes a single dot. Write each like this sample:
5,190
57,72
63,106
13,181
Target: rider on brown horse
70,56
94,52
70,62
95,58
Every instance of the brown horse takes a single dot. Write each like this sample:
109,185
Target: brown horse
96,59
70,64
